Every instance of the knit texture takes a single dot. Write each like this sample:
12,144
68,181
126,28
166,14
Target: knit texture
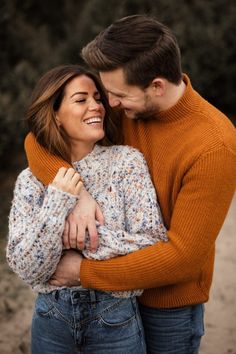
191,153
118,178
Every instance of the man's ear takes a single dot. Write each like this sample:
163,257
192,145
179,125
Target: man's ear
158,86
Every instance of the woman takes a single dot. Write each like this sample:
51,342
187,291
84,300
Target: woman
70,116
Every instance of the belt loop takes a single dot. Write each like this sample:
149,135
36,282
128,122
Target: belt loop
93,298
56,295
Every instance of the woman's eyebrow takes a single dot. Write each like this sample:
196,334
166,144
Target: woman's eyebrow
79,93
83,93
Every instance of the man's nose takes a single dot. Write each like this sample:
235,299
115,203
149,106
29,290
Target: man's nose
113,101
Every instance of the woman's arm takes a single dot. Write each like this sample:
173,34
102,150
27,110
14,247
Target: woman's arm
45,166
143,224
36,223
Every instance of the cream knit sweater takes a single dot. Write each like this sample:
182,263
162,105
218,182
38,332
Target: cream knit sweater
118,178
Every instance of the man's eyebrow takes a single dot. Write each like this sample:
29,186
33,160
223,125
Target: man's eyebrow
116,94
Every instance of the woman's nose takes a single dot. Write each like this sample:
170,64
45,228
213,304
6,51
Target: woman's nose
95,105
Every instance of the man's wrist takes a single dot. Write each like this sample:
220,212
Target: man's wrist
81,275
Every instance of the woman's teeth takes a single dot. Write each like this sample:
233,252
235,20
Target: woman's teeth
93,120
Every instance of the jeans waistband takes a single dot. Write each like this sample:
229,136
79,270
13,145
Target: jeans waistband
81,295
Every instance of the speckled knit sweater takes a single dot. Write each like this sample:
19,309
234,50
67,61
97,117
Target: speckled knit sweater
117,177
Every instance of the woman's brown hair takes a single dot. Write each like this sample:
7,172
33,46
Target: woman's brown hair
45,101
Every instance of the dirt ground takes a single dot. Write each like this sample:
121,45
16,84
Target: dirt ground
16,301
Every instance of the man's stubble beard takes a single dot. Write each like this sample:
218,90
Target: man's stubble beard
150,111
146,115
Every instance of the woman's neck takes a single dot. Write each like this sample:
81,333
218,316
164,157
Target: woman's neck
79,151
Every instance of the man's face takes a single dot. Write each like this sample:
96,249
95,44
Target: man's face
137,103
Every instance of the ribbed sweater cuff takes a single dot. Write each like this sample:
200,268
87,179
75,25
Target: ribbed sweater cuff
38,157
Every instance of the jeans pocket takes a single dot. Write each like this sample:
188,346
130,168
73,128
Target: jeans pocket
121,314
44,306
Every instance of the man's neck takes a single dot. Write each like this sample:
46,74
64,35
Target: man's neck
172,95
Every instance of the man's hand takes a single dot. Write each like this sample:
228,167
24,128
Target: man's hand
68,270
82,218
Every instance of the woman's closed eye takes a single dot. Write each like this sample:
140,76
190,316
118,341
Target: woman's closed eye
81,100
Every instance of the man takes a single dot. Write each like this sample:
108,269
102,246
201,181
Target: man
190,148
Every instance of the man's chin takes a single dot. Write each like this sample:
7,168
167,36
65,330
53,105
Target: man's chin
144,115
130,114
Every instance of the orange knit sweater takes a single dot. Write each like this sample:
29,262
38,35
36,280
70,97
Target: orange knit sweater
191,153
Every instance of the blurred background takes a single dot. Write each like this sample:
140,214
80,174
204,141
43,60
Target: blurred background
37,35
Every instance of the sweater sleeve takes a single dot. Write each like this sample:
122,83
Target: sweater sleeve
36,224
42,164
198,215
143,223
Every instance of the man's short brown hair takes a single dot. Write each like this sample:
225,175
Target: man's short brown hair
142,46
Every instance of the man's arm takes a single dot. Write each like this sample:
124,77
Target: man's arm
199,213
42,164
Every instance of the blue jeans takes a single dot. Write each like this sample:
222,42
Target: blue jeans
173,331
86,321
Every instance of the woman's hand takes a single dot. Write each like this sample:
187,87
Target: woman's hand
83,218
68,180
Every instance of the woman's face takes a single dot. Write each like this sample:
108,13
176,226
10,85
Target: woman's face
81,114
